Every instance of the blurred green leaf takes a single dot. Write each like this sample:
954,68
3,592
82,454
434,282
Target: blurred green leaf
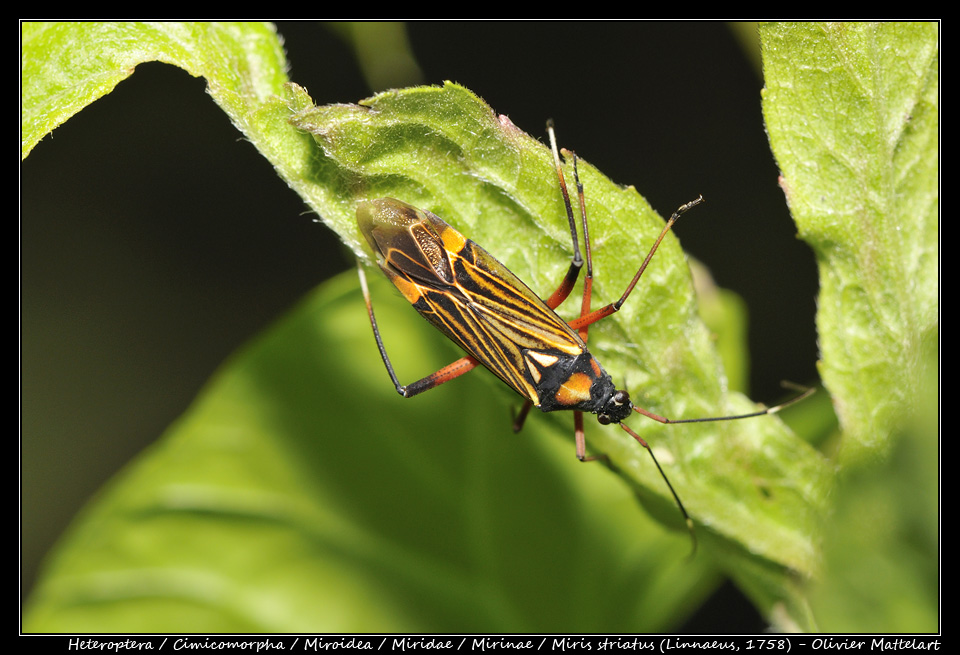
300,493
882,544
383,52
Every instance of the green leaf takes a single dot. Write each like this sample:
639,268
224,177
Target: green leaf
751,484
853,121
66,66
852,111
300,493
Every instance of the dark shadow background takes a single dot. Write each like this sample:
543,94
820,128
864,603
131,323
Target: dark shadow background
155,240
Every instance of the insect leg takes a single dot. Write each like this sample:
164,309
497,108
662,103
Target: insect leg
588,279
563,291
521,416
447,373
573,272
567,286
603,312
588,318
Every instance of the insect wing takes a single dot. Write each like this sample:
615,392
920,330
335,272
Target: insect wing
467,294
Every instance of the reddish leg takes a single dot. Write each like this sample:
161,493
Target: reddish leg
445,374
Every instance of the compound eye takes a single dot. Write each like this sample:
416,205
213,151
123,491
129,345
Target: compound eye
603,419
621,397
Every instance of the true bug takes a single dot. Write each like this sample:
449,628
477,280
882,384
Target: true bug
489,312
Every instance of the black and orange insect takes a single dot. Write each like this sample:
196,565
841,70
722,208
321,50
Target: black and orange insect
489,312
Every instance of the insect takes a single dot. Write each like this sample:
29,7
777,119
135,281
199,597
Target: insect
478,303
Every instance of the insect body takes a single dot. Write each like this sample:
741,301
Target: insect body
489,312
